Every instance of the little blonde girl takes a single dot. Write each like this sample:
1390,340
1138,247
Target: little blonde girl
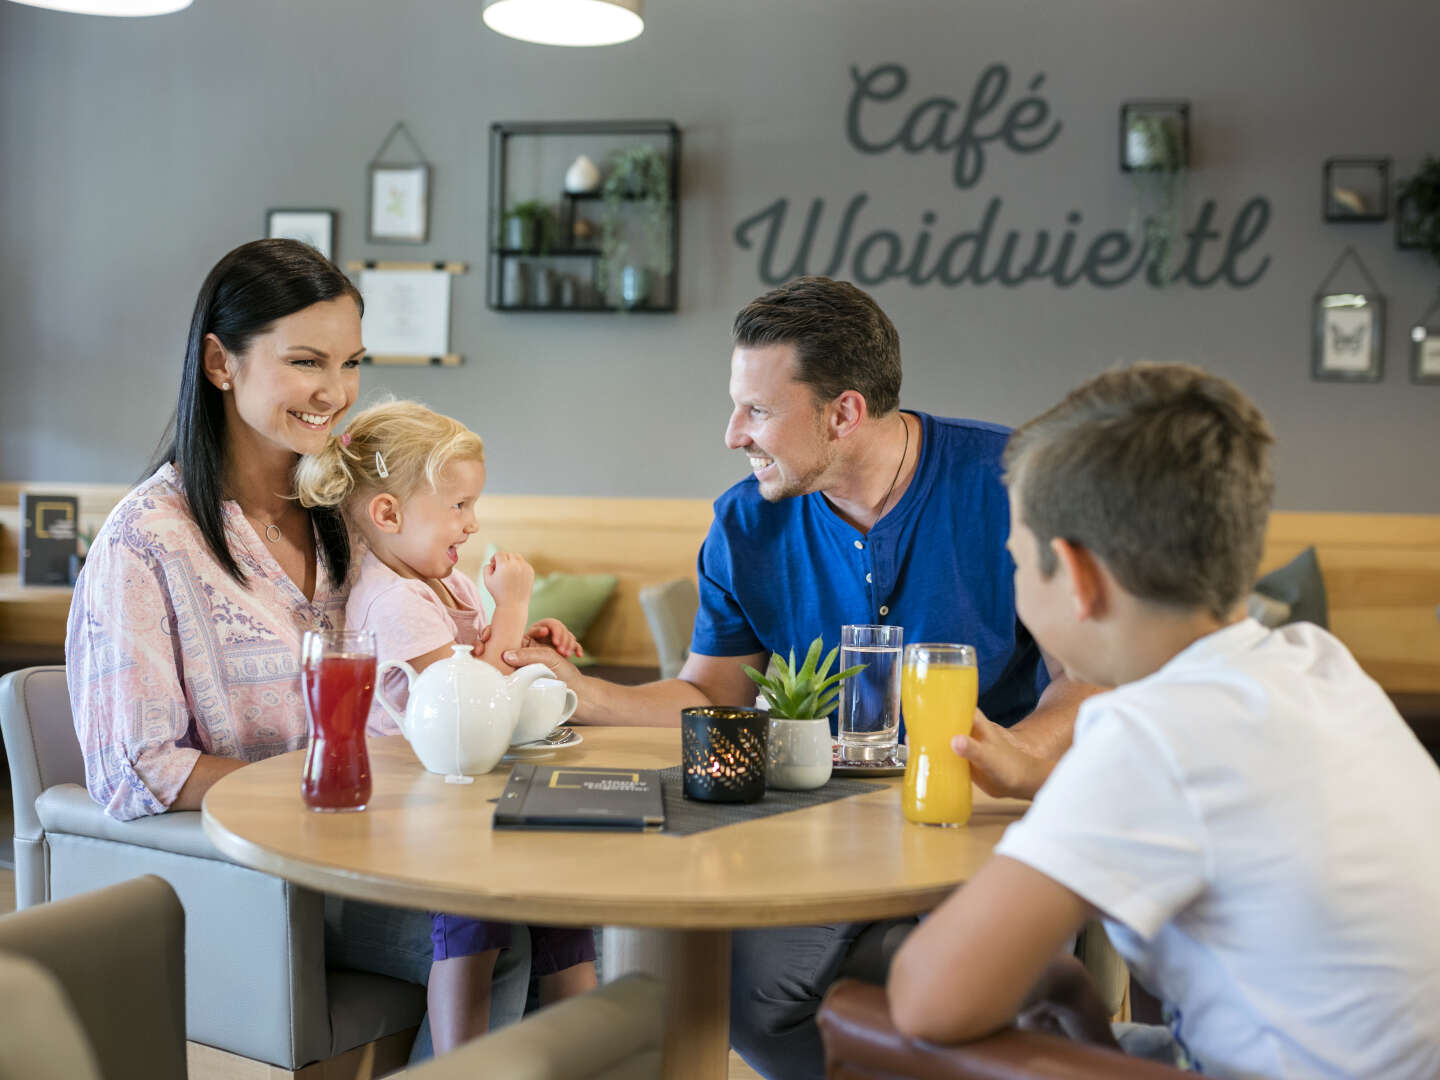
407,480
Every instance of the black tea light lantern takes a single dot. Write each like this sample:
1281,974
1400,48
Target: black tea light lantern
723,753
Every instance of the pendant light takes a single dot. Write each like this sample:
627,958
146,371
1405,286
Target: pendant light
111,7
566,22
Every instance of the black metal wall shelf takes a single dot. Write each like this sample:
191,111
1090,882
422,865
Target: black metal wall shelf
570,276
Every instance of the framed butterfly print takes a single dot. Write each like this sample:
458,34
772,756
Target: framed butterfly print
1349,337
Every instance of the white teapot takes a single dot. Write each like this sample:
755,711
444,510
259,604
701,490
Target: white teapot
461,713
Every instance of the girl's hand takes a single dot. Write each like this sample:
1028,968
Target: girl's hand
509,578
556,634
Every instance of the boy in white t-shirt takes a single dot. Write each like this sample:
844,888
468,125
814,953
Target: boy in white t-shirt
1246,810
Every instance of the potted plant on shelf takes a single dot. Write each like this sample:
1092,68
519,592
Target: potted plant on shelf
529,226
637,206
1418,209
800,750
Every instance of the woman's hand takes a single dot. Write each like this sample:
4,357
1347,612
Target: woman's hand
509,578
554,633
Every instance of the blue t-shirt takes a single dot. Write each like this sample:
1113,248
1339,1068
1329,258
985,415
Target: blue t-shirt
773,576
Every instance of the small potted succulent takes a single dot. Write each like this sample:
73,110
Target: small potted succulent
801,701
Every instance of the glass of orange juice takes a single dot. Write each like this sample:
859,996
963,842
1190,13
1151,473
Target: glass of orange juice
939,687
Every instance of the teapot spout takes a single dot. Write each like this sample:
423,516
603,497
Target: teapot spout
521,678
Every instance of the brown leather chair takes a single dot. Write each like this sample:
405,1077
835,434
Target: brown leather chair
862,1044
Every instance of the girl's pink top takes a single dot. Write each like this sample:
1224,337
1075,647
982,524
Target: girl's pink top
409,620
169,657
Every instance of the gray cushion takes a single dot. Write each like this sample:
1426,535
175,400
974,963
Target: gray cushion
1299,584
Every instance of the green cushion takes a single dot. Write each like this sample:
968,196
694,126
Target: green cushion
574,599
1299,584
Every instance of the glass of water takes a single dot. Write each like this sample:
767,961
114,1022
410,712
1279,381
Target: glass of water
870,699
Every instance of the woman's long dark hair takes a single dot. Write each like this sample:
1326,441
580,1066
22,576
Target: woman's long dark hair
250,289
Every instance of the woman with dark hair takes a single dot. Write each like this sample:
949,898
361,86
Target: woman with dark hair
184,634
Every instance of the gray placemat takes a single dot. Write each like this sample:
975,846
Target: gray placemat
683,816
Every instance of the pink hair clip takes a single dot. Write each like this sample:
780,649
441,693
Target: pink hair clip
345,439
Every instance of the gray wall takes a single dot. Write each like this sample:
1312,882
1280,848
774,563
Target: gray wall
133,153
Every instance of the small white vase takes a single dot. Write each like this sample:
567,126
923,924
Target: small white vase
799,754
582,177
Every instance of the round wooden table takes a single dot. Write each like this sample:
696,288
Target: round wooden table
423,843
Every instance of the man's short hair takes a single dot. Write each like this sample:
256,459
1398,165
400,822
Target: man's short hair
1163,471
842,340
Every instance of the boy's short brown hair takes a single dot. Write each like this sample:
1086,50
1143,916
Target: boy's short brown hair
1163,471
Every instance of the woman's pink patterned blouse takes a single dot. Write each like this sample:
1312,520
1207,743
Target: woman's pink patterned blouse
168,657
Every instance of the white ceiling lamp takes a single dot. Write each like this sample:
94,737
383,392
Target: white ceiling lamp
111,7
566,22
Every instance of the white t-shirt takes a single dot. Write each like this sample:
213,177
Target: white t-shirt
1259,827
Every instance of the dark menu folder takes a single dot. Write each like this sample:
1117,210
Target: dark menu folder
47,538
566,797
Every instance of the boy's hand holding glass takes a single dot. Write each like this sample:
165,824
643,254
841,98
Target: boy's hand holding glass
1000,765
509,578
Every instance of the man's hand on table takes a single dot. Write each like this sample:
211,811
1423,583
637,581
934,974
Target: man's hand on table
562,668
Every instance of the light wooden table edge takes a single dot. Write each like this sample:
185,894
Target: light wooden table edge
631,913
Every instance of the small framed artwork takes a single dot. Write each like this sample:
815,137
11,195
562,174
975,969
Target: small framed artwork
1425,354
313,227
399,204
1154,136
1357,189
1425,346
1349,333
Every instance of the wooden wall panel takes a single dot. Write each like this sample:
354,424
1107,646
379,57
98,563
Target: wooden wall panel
1382,571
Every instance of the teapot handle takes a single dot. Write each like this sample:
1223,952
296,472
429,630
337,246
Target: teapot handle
396,715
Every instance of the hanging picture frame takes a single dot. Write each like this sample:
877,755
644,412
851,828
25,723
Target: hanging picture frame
399,195
1348,329
313,227
1425,346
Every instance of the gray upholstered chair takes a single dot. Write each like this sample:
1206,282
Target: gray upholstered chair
94,987
670,609
254,944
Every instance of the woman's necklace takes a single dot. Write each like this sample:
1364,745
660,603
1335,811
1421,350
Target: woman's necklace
904,451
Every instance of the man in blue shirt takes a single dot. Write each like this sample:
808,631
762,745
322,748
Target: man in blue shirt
855,512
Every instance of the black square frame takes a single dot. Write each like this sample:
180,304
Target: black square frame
1335,212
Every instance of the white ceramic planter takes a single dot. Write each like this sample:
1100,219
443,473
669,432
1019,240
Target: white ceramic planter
800,754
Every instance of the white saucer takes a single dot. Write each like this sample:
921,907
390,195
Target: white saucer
562,738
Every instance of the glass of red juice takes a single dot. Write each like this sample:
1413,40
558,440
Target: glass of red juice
337,675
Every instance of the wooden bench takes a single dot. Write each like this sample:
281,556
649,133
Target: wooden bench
1382,571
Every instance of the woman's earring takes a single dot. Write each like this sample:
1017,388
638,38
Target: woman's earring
224,386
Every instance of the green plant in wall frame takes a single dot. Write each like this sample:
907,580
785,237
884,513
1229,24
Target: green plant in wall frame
1417,217
1155,154
637,206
